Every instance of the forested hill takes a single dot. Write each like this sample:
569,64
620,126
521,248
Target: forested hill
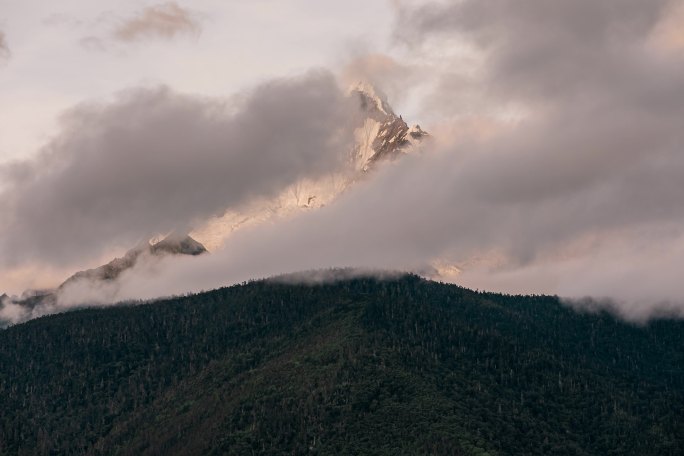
361,366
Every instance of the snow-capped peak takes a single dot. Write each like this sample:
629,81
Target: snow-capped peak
381,136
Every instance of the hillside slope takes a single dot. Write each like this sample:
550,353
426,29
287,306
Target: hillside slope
361,366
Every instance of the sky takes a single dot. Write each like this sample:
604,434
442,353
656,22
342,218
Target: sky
556,160
56,55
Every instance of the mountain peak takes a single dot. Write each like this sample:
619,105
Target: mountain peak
384,135
173,244
178,245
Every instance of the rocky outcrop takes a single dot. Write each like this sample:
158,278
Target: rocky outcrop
171,245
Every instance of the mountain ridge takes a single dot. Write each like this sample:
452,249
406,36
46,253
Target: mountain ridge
173,244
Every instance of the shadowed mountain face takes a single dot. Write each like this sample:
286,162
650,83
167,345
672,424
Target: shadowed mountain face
360,366
171,245
177,245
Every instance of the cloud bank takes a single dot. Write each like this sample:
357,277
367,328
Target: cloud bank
155,160
581,196
578,195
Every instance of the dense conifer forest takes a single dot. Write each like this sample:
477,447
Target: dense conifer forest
359,366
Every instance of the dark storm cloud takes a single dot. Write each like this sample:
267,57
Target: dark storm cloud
155,160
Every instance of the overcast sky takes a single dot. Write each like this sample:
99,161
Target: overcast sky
556,163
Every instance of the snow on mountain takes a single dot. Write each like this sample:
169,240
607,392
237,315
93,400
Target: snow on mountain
381,136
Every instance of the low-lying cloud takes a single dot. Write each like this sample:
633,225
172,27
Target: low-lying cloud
155,160
427,208
580,195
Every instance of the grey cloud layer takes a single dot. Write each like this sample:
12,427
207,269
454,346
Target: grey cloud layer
582,196
155,160
549,54
602,148
540,48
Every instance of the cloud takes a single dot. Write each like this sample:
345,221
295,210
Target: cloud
580,196
93,43
166,21
669,33
428,208
529,54
154,160
4,48
11,312
380,70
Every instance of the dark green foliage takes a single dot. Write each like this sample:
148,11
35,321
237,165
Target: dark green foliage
362,366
